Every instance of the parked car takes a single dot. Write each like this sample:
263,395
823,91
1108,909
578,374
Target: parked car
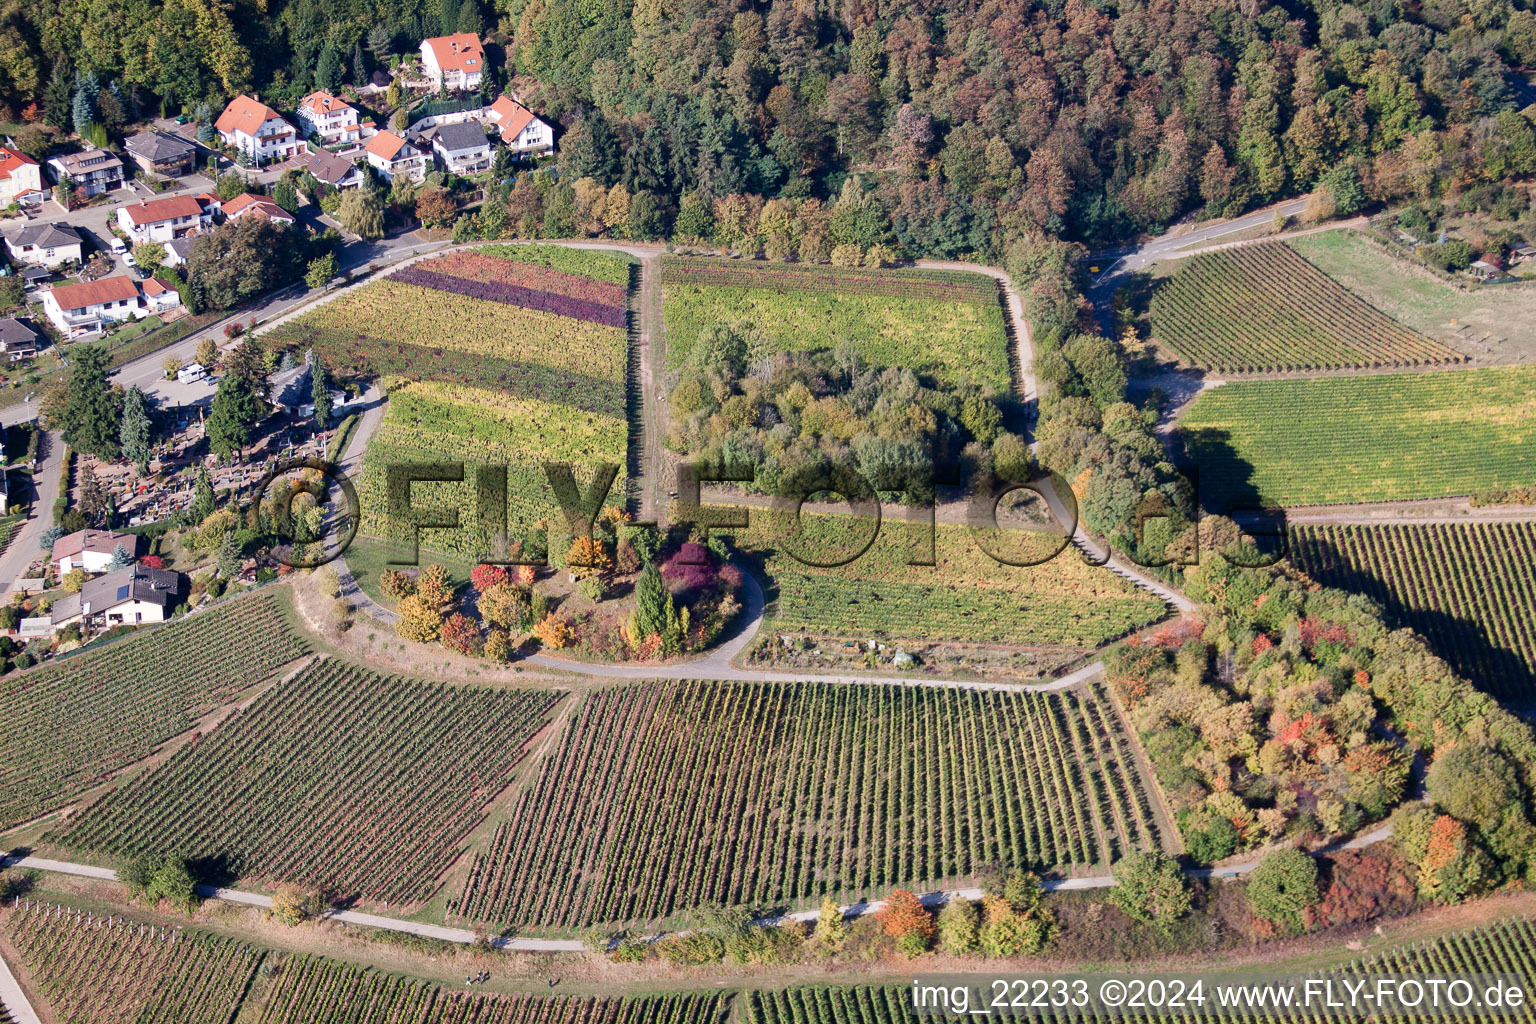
128,260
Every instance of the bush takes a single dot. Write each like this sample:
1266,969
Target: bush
1282,888
1150,887
553,632
484,577
905,919
420,621
499,646
765,944
396,584
691,950
959,926
831,928
461,633
292,905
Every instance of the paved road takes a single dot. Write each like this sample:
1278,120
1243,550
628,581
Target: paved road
24,546
13,999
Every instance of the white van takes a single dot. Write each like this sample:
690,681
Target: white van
191,373
119,246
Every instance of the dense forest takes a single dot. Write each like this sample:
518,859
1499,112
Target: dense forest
967,124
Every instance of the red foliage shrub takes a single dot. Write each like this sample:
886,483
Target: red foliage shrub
484,577
1314,631
1361,885
460,633
1262,643
904,914
152,562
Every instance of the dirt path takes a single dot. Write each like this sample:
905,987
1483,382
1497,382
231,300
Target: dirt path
653,404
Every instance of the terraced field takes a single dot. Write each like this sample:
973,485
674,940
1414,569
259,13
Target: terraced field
1383,437
665,796
1469,589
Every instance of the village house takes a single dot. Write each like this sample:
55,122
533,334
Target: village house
160,220
159,296
1487,267
258,131
161,153
523,133
90,550
392,155
177,251
128,597
77,309
333,120
454,62
21,178
95,170
248,205
46,245
18,341
462,148
334,172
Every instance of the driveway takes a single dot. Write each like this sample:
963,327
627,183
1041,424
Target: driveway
23,547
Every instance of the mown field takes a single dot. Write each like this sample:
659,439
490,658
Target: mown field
68,726
947,325
517,355
91,970
966,596
1265,308
1383,437
669,795
338,779
1469,589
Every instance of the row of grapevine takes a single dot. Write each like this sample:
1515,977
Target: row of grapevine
1468,588
312,989
67,726
1265,308
940,285
1506,947
339,779
665,796
486,265
516,295
104,970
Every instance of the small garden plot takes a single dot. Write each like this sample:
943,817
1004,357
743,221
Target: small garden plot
1265,308
121,971
666,796
1384,437
66,727
945,325
339,779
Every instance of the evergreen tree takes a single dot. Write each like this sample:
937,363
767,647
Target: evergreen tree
379,40
121,559
235,408
96,505
87,89
57,98
320,391
91,419
449,12
470,19
359,66
135,436
203,499
285,195
229,557
328,73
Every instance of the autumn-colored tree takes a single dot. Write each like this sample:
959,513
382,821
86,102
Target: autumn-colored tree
588,556
435,586
506,606
435,207
460,633
905,919
499,646
554,632
396,584
420,620
484,577
523,575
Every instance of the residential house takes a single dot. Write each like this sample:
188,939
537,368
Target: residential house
90,550
334,172
178,250
247,205
258,131
160,220
95,170
523,133
392,155
77,309
18,340
128,597
159,296
454,62
1488,267
46,245
162,153
21,178
334,120
462,148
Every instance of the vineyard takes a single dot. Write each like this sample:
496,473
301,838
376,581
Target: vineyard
1383,437
431,423
338,779
943,324
966,596
311,989
1265,308
1504,947
157,975
669,795
1468,588
68,726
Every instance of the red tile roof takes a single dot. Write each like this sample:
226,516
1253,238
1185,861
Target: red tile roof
100,541
153,211
245,114
10,159
459,52
510,116
154,286
385,145
257,206
322,102
92,293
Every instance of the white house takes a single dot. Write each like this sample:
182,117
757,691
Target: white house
334,120
257,130
177,250
462,148
77,309
159,296
160,220
523,133
21,179
94,170
45,245
247,205
454,62
392,155
90,550
127,597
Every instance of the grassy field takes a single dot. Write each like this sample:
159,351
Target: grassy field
946,325
1383,437
1264,308
1414,297
1469,589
